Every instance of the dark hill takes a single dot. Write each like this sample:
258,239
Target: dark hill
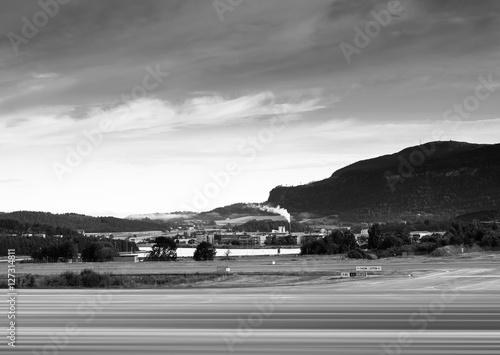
441,179
234,211
486,216
78,221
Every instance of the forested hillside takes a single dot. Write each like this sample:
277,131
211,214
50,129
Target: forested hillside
78,221
438,179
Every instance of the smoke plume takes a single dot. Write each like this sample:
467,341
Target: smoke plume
278,210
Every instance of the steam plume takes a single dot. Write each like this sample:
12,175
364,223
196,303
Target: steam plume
278,210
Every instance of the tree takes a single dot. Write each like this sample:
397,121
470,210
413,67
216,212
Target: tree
456,239
164,249
89,253
315,247
374,234
390,241
227,253
68,250
340,241
105,254
490,241
204,251
94,252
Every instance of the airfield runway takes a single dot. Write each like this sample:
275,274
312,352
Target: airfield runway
445,311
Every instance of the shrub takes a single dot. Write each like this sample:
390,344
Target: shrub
28,281
371,256
489,241
439,252
105,280
391,252
356,254
411,248
426,247
383,253
116,281
72,278
90,278
54,281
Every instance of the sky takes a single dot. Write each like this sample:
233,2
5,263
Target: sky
126,107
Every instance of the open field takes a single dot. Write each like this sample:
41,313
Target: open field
242,220
283,264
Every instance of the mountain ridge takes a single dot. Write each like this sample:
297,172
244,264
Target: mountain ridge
441,179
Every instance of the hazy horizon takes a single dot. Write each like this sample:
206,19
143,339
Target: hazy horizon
121,107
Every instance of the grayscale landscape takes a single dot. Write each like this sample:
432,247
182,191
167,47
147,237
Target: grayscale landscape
250,177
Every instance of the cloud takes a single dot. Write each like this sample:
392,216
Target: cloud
150,117
45,75
9,181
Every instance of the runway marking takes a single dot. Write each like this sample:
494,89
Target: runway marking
475,286
434,274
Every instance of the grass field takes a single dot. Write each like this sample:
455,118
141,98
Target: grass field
273,270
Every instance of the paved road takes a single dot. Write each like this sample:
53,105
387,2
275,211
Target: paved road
431,313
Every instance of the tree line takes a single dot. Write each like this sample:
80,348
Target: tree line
76,221
337,242
53,249
391,239
397,237
165,249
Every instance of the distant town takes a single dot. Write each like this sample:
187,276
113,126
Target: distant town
193,232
